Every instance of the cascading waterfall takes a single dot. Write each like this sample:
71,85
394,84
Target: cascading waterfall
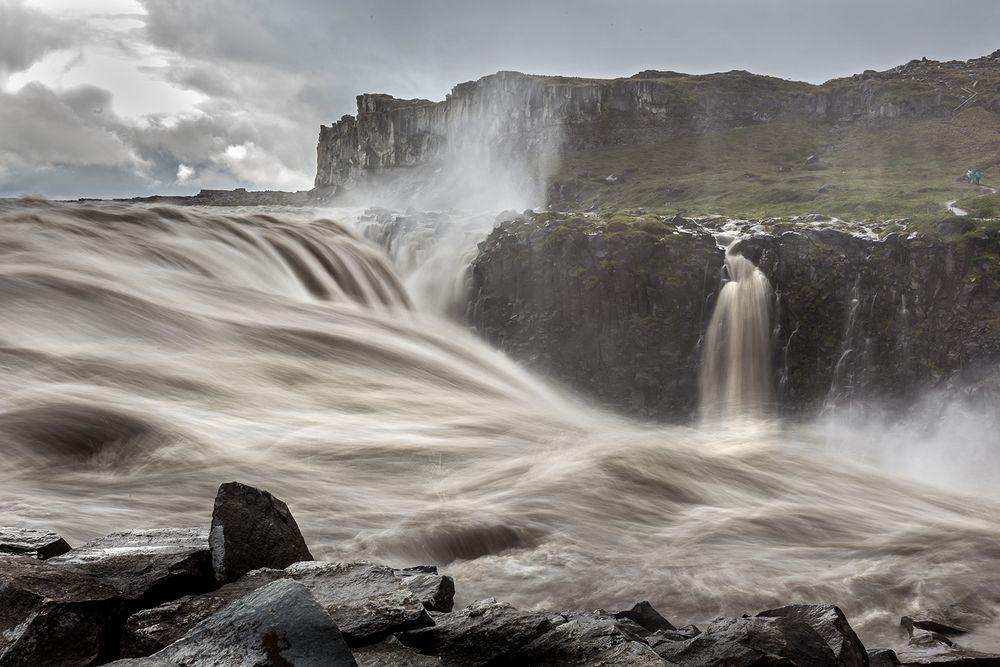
150,353
736,370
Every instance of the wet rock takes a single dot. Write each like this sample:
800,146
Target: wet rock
252,529
955,619
69,610
147,567
930,648
586,640
55,616
436,592
278,624
831,624
142,662
391,653
41,544
366,601
485,632
647,617
882,657
738,642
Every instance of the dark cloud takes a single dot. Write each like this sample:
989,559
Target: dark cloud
270,72
29,34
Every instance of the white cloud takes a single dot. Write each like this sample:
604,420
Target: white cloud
184,173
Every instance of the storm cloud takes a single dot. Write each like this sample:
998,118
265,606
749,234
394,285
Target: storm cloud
139,96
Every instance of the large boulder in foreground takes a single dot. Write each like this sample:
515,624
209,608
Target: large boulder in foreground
752,642
587,640
69,610
278,624
252,529
41,544
831,624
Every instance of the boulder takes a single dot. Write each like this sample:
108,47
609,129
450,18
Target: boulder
147,567
882,657
55,616
586,640
367,602
831,624
252,529
436,592
69,610
930,648
277,624
956,619
391,653
756,641
41,544
485,632
647,617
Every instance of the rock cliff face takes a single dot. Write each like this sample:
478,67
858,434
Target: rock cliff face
616,308
510,115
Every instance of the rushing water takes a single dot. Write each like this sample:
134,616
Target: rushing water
150,353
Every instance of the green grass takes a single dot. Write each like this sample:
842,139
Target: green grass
904,169
985,206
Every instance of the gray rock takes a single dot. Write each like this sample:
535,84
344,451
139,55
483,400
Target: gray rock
55,616
757,641
586,640
485,632
930,648
142,662
252,529
147,567
278,624
436,592
41,544
69,610
644,614
831,624
882,657
391,653
366,601
956,619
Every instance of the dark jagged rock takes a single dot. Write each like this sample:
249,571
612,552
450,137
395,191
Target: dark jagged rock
55,615
252,529
147,567
391,653
758,641
485,632
143,662
955,619
41,544
644,614
366,601
831,624
277,624
435,592
930,648
586,640
882,657
69,610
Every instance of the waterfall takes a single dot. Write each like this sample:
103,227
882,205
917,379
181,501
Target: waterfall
736,357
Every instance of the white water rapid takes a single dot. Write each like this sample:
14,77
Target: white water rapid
150,353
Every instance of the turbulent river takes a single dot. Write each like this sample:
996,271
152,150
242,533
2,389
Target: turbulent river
150,353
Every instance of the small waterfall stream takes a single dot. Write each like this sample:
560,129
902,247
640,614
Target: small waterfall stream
736,364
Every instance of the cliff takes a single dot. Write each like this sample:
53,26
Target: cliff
513,116
615,307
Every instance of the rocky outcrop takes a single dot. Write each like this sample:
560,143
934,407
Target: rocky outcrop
510,115
615,307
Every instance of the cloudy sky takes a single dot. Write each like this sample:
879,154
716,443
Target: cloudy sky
131,97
